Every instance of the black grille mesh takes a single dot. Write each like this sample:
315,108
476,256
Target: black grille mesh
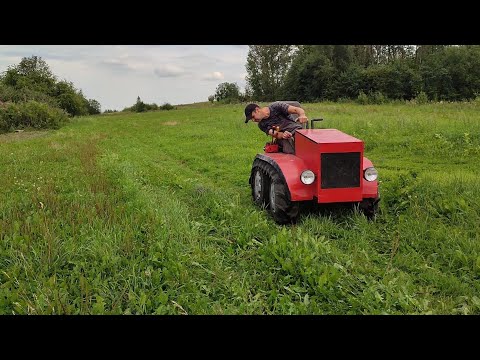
340,170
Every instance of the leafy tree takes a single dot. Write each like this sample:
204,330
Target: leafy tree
363,55
139,105
348,83
310,76
266,67
32,72
93,107
451,73
69,99
248,95
424,51
341,57
9,93
32,79
227,92
36,99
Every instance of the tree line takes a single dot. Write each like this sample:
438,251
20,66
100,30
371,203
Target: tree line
312,73
32,96
141,106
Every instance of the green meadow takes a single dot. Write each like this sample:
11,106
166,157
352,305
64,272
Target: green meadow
151,213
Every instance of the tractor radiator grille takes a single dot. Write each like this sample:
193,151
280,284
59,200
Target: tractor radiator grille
340,170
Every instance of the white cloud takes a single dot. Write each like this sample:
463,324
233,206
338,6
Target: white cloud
214,76
116,65
168,70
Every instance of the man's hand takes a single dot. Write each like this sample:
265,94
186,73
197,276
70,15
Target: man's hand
302,119
286,135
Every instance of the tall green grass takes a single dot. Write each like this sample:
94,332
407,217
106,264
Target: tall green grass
152,214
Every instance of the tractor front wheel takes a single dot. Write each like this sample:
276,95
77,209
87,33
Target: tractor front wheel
270,191
282,209
369,207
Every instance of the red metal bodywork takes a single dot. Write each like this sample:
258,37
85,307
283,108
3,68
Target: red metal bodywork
309,145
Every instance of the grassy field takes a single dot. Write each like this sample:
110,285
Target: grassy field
152,214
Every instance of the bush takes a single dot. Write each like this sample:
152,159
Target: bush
70,99
362,98
377,98
343,100
140,106
476,101
167,106
421,98
151,107
8,93
30,114
211,98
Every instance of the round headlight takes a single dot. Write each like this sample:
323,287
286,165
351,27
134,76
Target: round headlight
307,177
370,174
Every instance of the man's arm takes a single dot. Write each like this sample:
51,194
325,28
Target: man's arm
280,134
299,111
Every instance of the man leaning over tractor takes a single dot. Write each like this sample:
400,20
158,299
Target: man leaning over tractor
280,120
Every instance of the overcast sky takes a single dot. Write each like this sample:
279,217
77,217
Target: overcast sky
115,75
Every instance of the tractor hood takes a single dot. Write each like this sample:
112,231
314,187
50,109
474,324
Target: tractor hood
328,136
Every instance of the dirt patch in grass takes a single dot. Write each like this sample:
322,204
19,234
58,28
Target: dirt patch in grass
24,135
171,123
57,146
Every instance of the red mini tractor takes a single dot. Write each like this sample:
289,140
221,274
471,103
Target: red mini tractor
328,167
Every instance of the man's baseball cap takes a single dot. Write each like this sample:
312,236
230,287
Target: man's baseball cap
248,111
